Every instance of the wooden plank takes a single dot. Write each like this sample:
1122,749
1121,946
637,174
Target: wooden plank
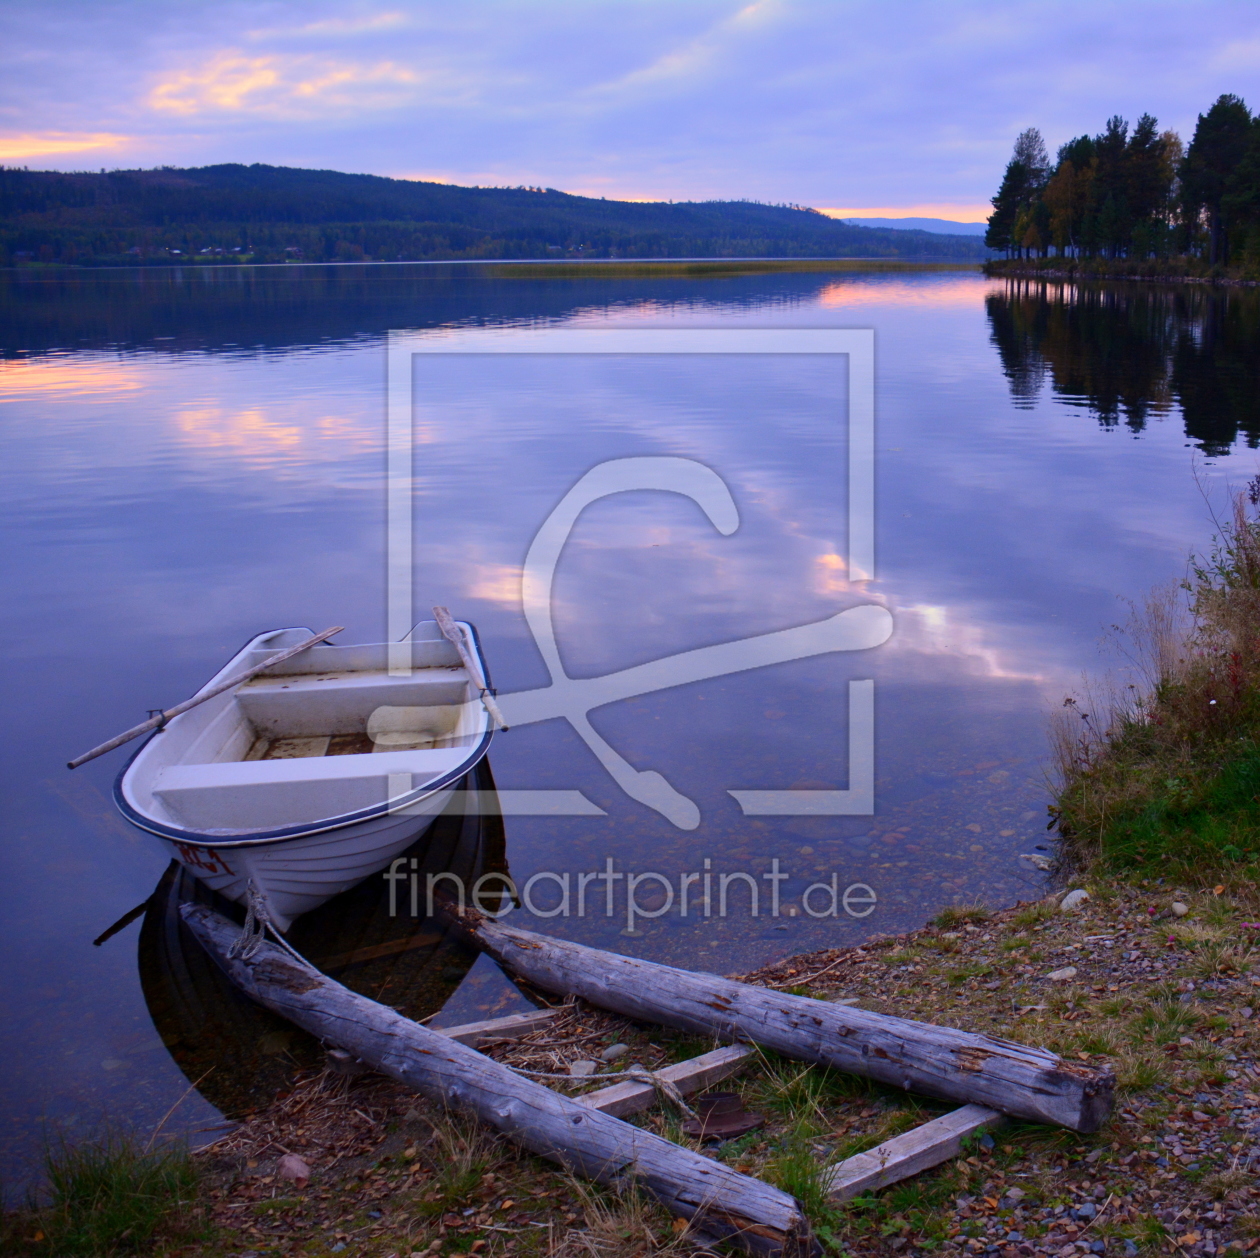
511,1027
1016,1079
722,1204
911,1152
687,1076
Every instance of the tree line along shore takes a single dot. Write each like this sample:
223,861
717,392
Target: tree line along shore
1135,201
231,214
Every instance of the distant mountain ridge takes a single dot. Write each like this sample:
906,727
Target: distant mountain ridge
943,226
276,213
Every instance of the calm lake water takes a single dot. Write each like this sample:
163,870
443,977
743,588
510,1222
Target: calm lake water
191,458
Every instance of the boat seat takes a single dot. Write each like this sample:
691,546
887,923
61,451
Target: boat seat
257,794
293,705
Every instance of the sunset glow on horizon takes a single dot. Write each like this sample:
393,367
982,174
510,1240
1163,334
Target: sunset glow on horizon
950,211
25,145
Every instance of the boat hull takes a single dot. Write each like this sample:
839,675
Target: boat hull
298,874
228,1047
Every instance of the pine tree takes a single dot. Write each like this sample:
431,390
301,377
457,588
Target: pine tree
1219,144
1006,207
1146,180
1030,149
1241,202
1110,191
1025,176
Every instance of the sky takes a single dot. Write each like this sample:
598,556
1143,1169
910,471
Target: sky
857,107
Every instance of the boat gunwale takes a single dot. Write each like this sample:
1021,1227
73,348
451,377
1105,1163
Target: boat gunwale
325,825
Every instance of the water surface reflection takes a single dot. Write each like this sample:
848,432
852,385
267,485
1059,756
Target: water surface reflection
1132,353
190,457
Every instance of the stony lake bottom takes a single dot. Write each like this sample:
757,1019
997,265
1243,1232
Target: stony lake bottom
195,456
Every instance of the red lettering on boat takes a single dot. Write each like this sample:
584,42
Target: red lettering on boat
202,858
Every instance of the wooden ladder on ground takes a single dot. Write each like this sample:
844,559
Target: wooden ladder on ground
925,1146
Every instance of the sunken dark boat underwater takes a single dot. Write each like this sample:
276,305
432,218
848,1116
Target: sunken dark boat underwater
236,1053
315,773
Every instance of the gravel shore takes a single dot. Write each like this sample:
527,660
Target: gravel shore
1151,980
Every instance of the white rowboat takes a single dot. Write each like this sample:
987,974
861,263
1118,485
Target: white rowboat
309,777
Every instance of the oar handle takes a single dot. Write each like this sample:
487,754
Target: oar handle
454,634
162,717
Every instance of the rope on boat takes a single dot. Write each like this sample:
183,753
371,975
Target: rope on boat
279,939
258,925
254,932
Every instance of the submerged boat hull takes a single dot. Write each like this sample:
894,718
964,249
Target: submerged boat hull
229,1047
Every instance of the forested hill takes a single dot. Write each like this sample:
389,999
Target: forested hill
277,213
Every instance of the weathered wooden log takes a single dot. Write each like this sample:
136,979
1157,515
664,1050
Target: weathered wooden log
939,1061
723,1204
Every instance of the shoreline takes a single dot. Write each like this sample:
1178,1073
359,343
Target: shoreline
536,266
1127,979
1094,269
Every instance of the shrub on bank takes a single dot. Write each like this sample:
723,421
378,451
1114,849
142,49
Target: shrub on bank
1165,776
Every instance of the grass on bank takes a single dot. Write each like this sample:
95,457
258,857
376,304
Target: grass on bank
110,1196
1163,776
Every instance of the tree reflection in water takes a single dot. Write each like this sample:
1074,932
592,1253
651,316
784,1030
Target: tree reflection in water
1131,353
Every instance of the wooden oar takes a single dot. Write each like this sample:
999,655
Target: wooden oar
162,717
452,632
124,921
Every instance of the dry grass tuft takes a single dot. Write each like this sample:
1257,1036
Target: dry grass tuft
462,1153
1193,935
626,1224
1138,1069
1225,1182
1034,914
1220,958
961,914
